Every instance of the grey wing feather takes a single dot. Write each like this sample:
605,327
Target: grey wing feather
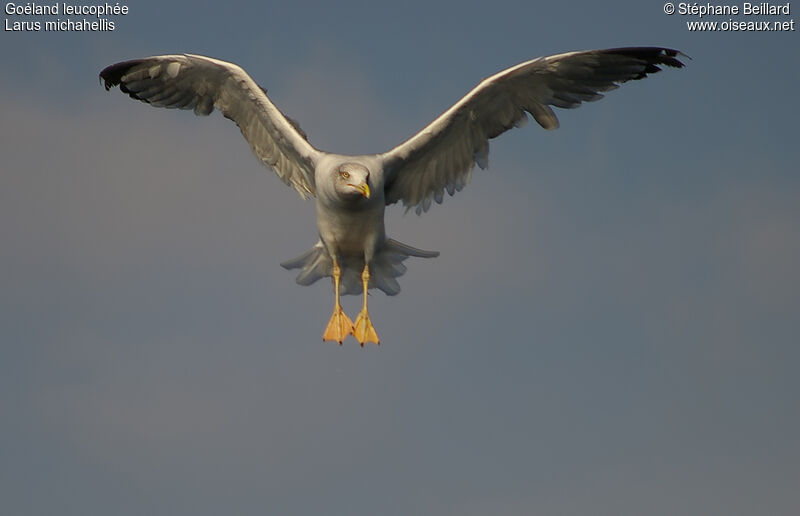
441,157
201,83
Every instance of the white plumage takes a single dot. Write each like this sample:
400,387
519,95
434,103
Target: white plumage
353,191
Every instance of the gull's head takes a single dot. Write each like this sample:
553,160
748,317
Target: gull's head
352,181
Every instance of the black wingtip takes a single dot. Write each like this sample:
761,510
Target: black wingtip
112,75
670,57
652,56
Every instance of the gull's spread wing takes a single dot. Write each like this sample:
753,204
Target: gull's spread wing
441,156
201,83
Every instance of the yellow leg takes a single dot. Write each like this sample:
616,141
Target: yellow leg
364,331
340,326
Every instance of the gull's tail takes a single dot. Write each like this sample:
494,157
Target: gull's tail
386,265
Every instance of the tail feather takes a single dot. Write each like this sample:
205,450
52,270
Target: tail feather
386,265
407,250
296,263
315,264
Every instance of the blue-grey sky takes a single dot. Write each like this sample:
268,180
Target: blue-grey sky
611,328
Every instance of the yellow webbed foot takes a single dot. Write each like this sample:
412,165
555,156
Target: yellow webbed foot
339,327
364,331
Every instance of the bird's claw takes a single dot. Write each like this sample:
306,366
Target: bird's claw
339,327
363,330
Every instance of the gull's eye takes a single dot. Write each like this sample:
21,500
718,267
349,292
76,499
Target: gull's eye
345,175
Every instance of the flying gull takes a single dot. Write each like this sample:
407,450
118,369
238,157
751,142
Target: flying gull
352,192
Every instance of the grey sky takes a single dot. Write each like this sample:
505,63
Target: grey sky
611,328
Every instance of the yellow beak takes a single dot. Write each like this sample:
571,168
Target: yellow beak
364,188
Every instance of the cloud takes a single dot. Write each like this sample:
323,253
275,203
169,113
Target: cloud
333,98
599,323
